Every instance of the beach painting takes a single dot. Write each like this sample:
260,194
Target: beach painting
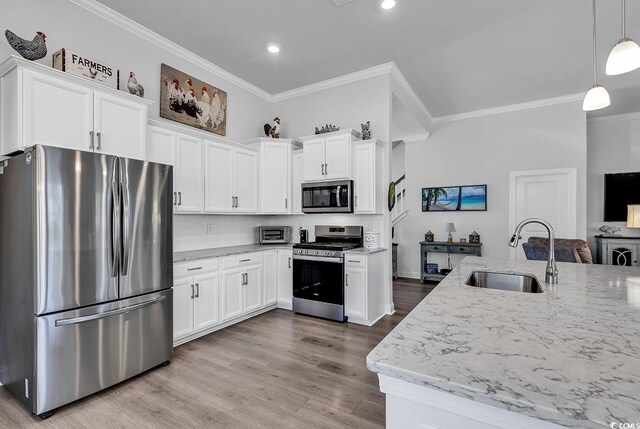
454,198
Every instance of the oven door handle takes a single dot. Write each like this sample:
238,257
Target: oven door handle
317,259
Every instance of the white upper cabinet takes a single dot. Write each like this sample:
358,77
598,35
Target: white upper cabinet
246,181
328,156
161,146
119,123
338,157
41,105
275,175
218,177
231,178
59,113
297,178
313,159
188,175
368,156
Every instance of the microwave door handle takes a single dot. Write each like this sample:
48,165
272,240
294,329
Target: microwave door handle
338,196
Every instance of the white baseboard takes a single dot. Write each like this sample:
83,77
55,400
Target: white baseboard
409,274
390,308
207,331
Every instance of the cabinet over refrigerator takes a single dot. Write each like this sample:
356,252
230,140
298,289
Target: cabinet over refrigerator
85,273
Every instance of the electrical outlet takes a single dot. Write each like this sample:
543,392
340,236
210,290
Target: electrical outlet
209,228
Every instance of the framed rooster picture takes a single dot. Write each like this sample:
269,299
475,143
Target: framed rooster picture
191,101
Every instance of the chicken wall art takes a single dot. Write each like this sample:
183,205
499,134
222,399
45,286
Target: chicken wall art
192,102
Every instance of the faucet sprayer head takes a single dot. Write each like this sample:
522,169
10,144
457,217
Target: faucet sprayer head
514,240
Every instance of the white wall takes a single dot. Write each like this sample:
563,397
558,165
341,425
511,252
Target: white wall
69,26
613,147
398,160
483,151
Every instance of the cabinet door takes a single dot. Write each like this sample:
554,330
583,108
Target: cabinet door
364,178
188,174
246,181
56,113
231,291
120,126
338,157
313,159
285,278
270,283
183,298
207,302
276,170
297,178
622,254
219,177
161,146
355,298
253,288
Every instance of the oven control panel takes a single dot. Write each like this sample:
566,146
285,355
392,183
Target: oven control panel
320,253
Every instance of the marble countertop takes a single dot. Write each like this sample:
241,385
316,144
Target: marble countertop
196,255
569,355
365,250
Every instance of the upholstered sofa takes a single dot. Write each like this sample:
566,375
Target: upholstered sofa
566,250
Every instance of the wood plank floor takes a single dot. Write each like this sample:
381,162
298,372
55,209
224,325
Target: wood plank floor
277,370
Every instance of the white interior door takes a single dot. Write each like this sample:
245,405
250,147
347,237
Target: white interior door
547,194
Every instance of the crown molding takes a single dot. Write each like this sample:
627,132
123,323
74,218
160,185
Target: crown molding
406,87
510,108
133,27
610,118
414,138
334,82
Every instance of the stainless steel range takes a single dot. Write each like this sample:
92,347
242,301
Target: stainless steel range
318,271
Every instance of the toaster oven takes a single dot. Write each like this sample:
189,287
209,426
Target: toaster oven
273,234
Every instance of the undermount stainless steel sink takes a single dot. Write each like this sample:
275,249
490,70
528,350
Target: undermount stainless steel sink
504,281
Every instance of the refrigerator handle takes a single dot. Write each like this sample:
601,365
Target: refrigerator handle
81,319
124,198
115,222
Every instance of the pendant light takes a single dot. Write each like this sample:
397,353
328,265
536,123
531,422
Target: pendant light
597,97
625,56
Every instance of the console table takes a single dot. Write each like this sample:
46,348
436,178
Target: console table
474,249
618,250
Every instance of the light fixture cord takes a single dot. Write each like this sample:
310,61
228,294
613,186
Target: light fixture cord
624,14
595,62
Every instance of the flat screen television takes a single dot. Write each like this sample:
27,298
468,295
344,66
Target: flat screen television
620,190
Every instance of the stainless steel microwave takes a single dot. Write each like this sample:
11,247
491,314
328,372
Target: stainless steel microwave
328,197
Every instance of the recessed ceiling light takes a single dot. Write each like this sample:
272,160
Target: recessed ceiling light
387,4
273,48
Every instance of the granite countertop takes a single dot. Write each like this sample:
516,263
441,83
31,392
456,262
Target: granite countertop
365,250
569,355
196,255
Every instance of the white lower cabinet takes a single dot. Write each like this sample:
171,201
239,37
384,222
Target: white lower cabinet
270,282
241,285
364,287
285,279
207,302
196,304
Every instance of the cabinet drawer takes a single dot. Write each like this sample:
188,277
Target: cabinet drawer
242,260
462,249
354,260
435,248
195,267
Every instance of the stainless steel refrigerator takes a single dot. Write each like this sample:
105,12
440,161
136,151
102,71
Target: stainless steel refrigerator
85,273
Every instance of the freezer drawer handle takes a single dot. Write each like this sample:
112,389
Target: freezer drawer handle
76,320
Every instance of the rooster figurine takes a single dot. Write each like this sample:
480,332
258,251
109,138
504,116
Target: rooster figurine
29,49
134,87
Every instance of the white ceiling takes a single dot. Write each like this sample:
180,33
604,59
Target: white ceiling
458,55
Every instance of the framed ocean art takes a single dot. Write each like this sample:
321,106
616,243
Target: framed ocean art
455,198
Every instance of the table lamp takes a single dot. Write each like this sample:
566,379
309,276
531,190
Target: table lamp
633,216
450,227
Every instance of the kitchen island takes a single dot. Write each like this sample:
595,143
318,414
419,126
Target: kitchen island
485,358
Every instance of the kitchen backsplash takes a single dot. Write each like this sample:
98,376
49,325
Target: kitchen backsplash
192,232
